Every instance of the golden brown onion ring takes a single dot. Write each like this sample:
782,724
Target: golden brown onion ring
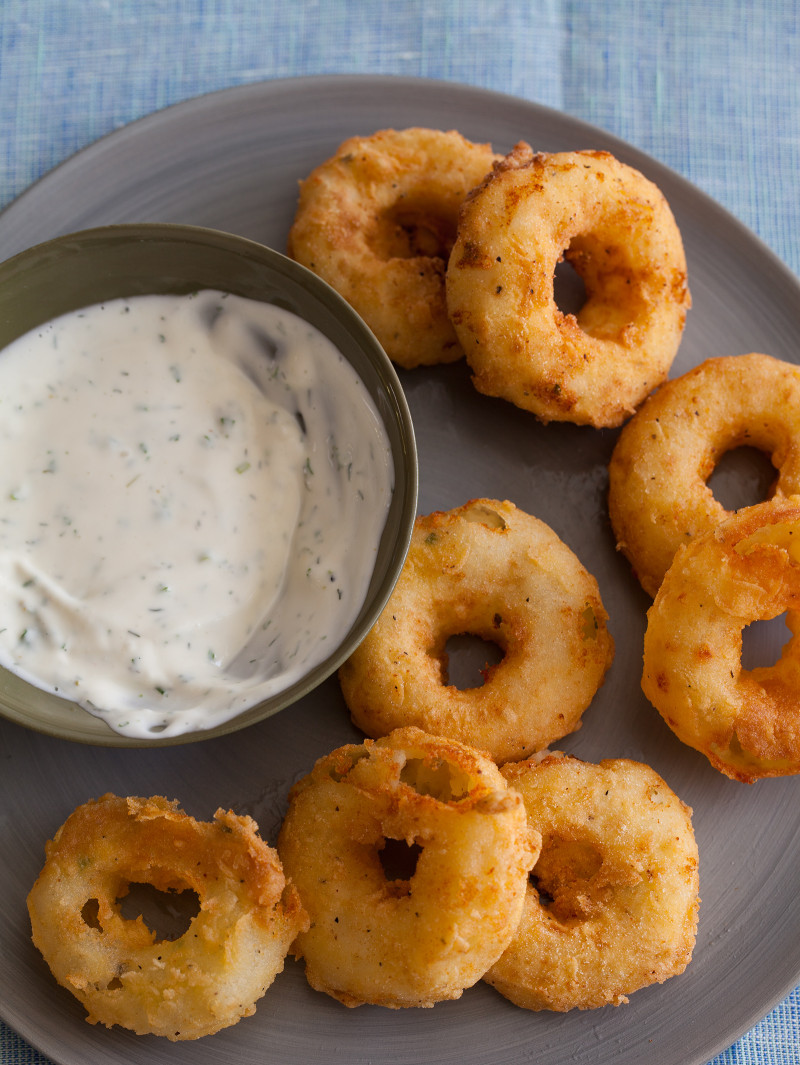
424,935
745,721
658,496
617,231
612,901
210,976
377,222
490,570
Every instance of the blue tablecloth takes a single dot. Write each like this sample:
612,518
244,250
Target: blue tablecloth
709,87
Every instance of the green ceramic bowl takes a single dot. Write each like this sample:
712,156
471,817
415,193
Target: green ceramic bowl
118,261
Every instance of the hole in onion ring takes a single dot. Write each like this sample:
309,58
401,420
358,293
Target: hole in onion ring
91,909
410,230
468,660
569,291
565,877
339,771
743,477
399,861
762,642
167,914
484,515
545,899
613,297
440,780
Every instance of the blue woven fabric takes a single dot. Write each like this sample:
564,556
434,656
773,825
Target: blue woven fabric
709,87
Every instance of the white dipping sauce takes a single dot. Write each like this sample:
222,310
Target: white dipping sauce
193,490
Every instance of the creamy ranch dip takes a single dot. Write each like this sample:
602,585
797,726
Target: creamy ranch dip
193,490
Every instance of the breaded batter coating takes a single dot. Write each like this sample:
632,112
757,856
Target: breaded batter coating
421,935
746,569
192,986
658,496
616,229
377,221
490,570
612,902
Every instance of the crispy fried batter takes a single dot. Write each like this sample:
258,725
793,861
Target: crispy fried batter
377,221
206,979
617,231
746,569
612,901
493,571
658,497
416,938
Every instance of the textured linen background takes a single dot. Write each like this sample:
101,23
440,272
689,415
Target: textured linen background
708,87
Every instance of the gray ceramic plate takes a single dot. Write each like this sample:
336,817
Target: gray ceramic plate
232,161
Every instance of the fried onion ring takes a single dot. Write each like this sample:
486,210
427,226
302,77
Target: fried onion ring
206,979
746,569
489,570
658,497
612,902
617,231
377,222
424,935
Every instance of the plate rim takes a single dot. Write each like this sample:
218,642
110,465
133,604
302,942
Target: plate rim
260,86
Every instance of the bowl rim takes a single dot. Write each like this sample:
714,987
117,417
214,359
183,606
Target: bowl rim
80,725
